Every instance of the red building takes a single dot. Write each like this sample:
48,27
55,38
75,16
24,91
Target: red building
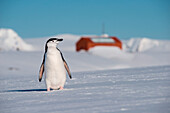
85,43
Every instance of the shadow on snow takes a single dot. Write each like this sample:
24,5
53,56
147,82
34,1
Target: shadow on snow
26,90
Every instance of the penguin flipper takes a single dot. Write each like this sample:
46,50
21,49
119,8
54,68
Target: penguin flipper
42,69
65,65
41,72
67,68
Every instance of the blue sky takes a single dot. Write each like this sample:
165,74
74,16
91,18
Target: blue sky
122,18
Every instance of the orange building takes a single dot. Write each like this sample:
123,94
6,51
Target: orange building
85,43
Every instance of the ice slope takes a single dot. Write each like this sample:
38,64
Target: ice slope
135,90
9,40
152,53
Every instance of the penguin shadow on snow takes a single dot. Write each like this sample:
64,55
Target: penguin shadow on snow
30,90
26,90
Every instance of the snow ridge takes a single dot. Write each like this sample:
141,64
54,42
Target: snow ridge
141,44
10,40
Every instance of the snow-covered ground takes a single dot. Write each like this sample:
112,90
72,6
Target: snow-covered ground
105,79
136,90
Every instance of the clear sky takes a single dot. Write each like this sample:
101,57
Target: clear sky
122,18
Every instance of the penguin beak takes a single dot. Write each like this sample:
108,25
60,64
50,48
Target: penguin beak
60,39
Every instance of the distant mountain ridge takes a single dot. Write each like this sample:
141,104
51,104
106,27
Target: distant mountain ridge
11,41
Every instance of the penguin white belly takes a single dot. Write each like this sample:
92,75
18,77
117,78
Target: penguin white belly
55,74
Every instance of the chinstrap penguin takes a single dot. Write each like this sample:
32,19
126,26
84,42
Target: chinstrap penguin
54,66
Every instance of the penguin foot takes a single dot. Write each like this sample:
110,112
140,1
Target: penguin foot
48,89
61,88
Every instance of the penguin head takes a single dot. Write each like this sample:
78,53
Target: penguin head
52,42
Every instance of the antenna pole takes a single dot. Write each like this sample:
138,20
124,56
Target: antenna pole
103,28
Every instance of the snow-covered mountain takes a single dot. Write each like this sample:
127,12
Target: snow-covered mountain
141,44
10,40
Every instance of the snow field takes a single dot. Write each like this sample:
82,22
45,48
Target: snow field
133,90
